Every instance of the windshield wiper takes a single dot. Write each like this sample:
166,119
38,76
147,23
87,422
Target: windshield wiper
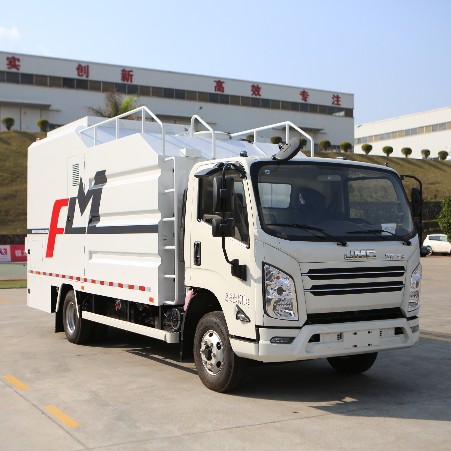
311,229
378,231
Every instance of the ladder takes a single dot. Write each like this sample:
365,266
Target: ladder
174,220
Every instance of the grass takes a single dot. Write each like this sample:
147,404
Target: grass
21,283
435,175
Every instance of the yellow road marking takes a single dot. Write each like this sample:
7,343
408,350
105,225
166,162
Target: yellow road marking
61,416
16,382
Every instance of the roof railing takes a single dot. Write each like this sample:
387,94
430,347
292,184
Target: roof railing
213,138
287,125
143,111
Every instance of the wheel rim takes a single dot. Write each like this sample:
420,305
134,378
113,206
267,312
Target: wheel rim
71,317
212,352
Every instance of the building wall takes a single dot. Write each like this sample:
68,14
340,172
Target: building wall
61,91
427,130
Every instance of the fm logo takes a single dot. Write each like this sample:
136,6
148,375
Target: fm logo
93,195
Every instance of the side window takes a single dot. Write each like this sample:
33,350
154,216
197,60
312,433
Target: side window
205,206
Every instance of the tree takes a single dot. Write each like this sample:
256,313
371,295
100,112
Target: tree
276,139
444,218
406,151
443,155
367,148
345,146
114,105
8,122
387,150
324,145
425,153
303,142
250,137
43,125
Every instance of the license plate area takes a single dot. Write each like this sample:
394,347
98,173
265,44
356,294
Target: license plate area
361,339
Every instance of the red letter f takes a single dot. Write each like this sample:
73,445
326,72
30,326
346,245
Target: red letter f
54,230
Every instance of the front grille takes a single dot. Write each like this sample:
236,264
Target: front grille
349,280
349,317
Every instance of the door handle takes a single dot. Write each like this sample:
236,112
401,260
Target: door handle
197,253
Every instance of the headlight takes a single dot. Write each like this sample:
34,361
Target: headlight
415,282
280,294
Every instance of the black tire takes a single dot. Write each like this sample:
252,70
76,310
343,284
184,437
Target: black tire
77,329
218,367
353,364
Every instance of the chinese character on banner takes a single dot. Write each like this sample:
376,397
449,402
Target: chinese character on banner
12,62
304,95
127,76
336,100
83,71
219,86
255,90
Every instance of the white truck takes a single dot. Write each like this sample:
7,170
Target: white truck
237,249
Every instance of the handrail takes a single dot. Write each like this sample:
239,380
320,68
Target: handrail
287,124
213,138
143,110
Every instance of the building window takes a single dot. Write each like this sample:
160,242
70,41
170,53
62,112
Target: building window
213,98
275,104
95,85
144,91
284,105
55,82
68,83
81,83
157,92
120,87
191,95
439,127
202,96
234,100
27,79
107,86
132,89
224,99
410,132
168,93
255,102
180,94
245,101
41,80
12,77
265,103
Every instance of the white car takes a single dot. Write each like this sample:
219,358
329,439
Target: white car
439,243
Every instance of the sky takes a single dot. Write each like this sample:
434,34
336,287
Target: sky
393,55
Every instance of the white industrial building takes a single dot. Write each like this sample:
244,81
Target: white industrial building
60,90
427,130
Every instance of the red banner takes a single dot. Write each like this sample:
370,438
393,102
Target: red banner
13,253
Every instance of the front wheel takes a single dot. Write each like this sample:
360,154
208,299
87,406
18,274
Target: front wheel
77,329
219,368
353,364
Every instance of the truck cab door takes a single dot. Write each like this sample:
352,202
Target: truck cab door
205,258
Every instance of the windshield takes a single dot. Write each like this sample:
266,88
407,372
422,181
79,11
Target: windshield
324,201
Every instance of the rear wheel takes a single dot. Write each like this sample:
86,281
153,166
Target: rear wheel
219,368
77,329
353,364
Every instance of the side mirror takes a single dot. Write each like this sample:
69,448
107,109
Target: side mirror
417,202
223,195
224,227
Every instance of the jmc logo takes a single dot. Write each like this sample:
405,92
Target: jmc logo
361,254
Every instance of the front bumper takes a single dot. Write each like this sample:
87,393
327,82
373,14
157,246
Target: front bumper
330,340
